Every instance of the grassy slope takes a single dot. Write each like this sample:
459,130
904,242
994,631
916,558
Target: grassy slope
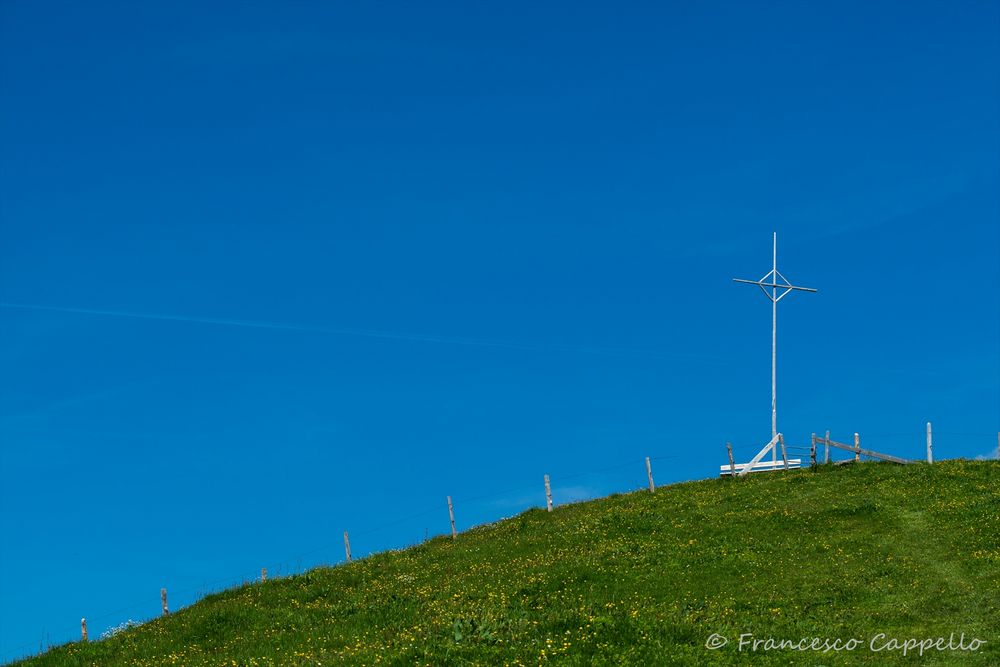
634,579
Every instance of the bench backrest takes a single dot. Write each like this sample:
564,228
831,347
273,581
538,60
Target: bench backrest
762,466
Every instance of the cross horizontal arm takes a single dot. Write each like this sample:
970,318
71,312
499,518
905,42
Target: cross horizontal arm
763,284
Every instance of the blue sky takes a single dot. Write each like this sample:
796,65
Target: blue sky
312,268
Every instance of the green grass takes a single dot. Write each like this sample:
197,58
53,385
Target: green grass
642,579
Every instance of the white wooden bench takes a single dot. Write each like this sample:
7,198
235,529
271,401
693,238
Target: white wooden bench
760,466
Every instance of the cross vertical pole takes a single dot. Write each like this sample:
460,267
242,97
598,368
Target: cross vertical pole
770,284
774,348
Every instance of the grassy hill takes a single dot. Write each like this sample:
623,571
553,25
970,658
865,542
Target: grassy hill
645,579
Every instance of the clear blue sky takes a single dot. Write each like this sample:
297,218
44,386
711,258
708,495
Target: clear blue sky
369,254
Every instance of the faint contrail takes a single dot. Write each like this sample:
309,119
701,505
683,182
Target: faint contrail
368,333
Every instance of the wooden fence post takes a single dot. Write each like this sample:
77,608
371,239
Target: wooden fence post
930,444
163,601
263,574
826,453
451,517
83,629
857,447
347,546
784,454
812,451
649,474
548,493
732,464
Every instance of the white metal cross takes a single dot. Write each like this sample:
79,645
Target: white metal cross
784,287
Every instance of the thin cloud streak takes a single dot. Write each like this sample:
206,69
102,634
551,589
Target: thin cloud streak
366,333
994,455
67,402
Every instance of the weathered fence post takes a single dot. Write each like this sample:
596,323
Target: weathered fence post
548,493
163,601
812,451
83,629
649,474
857,447
826,452
732,464
784,454
930,444
347,546
451,517
263,574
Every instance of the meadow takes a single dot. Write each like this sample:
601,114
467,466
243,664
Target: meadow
872,552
